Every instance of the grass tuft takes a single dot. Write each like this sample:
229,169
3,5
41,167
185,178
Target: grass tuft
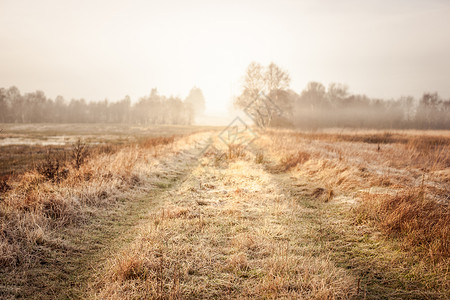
420,223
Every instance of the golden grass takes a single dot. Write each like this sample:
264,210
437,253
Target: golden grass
305,216
418,221
292,160
363,165
224,233
32,207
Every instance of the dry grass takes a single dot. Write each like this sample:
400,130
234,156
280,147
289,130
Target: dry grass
301,216
292,160
419,222
42,201
223,233
381,169
235,151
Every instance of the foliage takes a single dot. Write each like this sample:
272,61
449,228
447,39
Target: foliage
319,107
37,108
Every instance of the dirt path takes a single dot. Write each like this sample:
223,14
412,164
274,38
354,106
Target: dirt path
229,230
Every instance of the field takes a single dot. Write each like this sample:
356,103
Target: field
25,145
174,213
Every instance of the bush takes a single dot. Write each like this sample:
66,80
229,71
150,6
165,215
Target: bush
52,168
79,153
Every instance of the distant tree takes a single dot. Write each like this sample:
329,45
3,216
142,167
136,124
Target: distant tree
78,111
196,100
261,90
314,94
120,111
337,93
17,104
175,111
408,107
35,107
275,78
4,107
60,110
427,110
265,93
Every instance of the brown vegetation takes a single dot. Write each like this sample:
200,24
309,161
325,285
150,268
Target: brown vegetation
421,223
305,215
401,178
244,240
57,194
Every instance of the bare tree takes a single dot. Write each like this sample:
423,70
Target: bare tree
261,87
275,78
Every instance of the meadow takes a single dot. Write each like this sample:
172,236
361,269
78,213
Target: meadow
171,212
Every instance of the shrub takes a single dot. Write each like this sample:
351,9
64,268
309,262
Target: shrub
79,153
235,151
52,168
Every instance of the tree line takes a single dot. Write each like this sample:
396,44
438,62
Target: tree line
149,110
266,97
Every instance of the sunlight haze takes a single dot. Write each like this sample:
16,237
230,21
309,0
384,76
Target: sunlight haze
109,49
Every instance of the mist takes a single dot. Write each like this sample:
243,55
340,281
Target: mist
109,49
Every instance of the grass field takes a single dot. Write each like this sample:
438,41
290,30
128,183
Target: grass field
174,213
26,145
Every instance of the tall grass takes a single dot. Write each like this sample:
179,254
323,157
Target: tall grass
40,201
419,222
400,179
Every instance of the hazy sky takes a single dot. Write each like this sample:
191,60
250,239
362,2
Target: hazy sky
109,49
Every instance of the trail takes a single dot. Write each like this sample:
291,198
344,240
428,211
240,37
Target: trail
231,229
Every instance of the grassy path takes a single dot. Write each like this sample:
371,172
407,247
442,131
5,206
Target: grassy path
229,230
234,230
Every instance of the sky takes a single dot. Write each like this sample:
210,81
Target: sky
109,49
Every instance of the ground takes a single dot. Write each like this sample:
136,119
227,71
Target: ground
283,218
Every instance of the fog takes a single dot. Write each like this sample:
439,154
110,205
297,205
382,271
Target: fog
96,50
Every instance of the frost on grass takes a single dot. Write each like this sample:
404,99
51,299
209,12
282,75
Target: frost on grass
226,232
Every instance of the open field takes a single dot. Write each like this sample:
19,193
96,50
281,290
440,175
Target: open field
174,213
26,145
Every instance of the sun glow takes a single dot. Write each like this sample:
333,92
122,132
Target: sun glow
112,49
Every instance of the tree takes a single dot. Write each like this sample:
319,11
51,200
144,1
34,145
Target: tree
275,78
151,110
35,107
196,100
314,94
337,93
17,104
427,109
60,109
260,97
4,107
